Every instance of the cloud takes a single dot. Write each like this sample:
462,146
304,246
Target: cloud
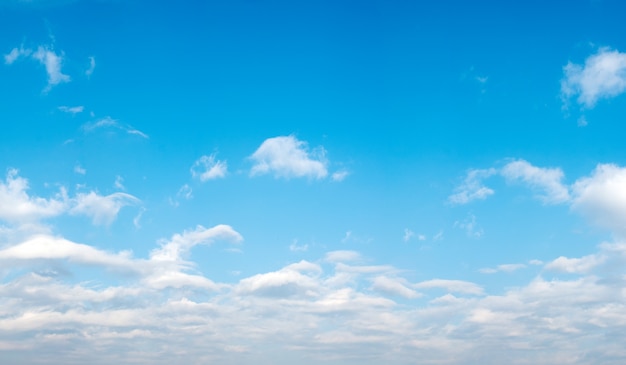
339,175
208,168
46,57
102,209
602,197
294,247
472,187
408,234
180,244
394,287
342,256
72,110
603,76
108,122
299,311
18,206
43,247
16,53
469,225
92,66
288,157
503,268
453,286
575,265
119,183
546,180
79,170
52,63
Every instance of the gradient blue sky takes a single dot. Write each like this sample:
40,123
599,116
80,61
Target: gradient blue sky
270,182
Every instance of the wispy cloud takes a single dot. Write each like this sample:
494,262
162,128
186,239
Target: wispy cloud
92,66
47,57
108,122
472,187
72,109
209,168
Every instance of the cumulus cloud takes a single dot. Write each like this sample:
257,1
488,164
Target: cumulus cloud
602,197
301,310
209,168
472,187
547,181
17,206
602,76
102,209
288,157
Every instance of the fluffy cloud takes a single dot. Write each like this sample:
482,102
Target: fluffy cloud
472,187
602,197
545,180
17,206
288,157
209,168
52,62
602,76
300,311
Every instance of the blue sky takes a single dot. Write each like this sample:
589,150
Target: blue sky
343,182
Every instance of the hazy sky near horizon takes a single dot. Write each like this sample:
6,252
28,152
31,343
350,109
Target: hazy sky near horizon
338,182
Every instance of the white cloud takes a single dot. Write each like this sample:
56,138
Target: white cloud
602,197
92,66
79,170
472,187
502,268
108,122
185,191
602,76
17,206
454,286
288,157
408,234
180,244
52,63
119,183
394,287
42,247
340,175
342,256
72,109
294,247
582,121
546,180
209,168
575,265
102,209
470,227
16,53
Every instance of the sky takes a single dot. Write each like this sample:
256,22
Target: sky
338,182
